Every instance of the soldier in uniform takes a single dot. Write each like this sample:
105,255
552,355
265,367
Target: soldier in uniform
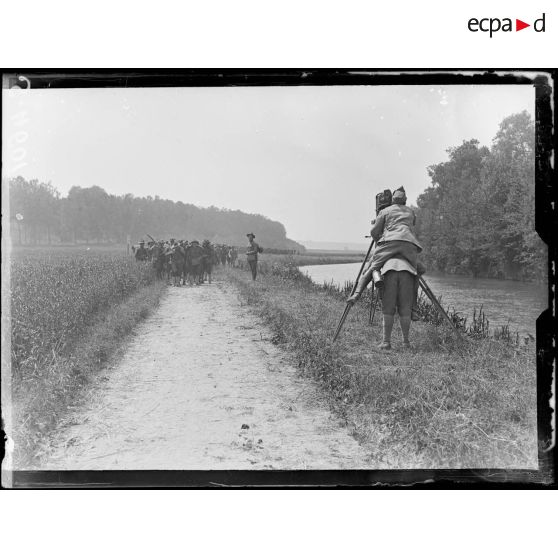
141,252
156,253
208,259
150,246
185,266
177,263
195,261
216,259
223,255
252,255
167,253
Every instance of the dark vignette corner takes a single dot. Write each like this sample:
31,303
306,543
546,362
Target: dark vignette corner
546,224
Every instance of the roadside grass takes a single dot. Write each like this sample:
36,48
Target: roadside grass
442,404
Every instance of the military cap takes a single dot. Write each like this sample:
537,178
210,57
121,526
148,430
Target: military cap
399,195
251,235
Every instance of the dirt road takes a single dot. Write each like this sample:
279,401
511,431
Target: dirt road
202,387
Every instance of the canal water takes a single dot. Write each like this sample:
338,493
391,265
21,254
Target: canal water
503,302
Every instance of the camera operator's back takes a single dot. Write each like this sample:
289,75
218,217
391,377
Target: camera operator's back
395,223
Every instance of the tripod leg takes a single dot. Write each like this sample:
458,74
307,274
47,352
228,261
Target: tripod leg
375,305
342,321
348,307
434,300
372,305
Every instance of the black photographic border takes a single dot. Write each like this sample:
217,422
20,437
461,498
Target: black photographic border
546,224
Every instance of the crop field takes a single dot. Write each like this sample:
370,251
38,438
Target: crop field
71,308
56,293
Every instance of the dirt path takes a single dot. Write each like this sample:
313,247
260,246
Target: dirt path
202,387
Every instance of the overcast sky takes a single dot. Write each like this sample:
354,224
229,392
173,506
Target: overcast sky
310,157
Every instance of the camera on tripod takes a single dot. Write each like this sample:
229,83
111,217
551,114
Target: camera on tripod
385,199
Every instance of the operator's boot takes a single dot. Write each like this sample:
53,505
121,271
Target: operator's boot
355,296
361,286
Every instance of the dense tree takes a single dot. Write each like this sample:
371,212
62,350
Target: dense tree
510,181
449,222
93,215
478,216
34,211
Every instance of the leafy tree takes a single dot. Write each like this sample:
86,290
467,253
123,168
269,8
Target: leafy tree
509,182
92,215
448,210
478,215
34,210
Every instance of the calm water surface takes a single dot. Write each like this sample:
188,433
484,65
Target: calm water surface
503,301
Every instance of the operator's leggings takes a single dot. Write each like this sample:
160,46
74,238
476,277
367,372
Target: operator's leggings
399,293
367,277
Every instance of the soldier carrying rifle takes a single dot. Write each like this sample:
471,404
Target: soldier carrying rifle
141,253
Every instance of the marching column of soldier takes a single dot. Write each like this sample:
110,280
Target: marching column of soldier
184,262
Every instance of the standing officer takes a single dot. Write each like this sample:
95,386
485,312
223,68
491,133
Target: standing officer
252,255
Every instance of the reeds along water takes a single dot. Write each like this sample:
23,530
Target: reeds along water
478,328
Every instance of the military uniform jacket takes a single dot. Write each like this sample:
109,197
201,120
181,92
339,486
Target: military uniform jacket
395,223
195,254
252,252
141,253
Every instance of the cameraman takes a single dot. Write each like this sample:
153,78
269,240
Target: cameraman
392,231
393,234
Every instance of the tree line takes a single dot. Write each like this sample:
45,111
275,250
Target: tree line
478,217
40,215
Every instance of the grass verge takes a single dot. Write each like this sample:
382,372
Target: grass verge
40,400
443,404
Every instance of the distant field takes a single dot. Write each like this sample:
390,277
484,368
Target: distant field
61,249
308,258
335,253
